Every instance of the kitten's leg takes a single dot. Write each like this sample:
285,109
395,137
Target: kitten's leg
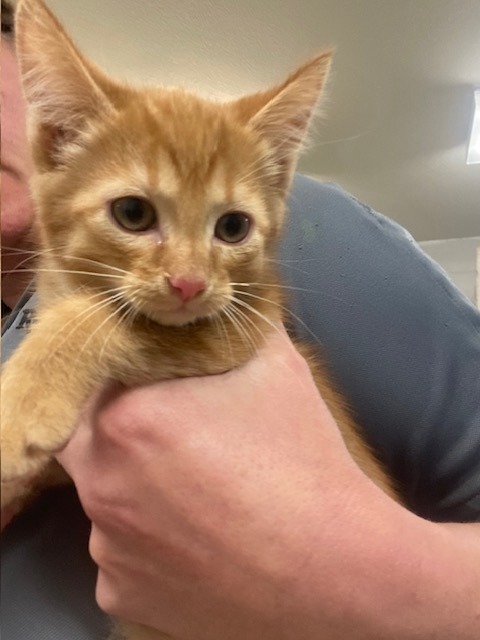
71,350
47,380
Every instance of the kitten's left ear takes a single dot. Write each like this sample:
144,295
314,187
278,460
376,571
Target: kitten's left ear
282,115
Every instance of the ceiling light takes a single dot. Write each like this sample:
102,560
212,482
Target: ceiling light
473,153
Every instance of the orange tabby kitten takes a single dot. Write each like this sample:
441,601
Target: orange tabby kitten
158,215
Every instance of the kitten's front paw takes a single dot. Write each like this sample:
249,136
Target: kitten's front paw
30,436
18,471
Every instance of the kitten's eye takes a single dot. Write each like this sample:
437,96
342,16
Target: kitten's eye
133,214
232,227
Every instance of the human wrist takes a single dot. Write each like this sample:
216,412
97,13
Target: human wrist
401,577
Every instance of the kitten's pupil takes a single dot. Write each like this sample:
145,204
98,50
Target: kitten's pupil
133,214
232,227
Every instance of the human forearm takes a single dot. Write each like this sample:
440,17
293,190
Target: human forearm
438,579
406,578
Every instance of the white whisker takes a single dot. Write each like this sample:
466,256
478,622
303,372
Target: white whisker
89,311
17,250
42,270
263,317
101,264
115,311
269,284
127,305
241,330
227,339
254,325
293,260
280,306
290,266
37,253
288,287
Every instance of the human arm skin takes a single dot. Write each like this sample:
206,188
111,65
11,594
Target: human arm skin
228,507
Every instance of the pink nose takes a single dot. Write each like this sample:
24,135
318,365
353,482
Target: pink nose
186,288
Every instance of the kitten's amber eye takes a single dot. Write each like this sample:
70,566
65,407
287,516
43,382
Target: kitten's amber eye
133,214
232,227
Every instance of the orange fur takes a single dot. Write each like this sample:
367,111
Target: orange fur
107,305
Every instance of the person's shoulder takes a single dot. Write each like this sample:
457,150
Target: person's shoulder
402,342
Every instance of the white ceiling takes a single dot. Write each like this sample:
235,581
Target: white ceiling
400,101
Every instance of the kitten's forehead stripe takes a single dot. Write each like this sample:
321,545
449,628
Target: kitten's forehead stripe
212,166
216,185
229,197
166,179
189,128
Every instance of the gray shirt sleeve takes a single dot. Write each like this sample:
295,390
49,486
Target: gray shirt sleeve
17,324
402,343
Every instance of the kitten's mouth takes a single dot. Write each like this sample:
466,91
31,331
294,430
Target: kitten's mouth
179,315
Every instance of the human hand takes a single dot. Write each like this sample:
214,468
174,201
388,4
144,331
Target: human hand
226,506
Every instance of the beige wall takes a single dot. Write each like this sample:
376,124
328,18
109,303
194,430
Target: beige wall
459,258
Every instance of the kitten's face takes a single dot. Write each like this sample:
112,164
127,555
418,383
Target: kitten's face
173,204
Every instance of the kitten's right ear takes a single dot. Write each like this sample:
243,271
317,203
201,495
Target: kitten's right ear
61,92
282,114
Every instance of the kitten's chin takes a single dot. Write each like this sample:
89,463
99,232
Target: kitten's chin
184,314
178,318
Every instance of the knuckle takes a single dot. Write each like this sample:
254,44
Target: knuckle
98,547
109,510
106,595
292,361
116,420
123,421
93,502
300,357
